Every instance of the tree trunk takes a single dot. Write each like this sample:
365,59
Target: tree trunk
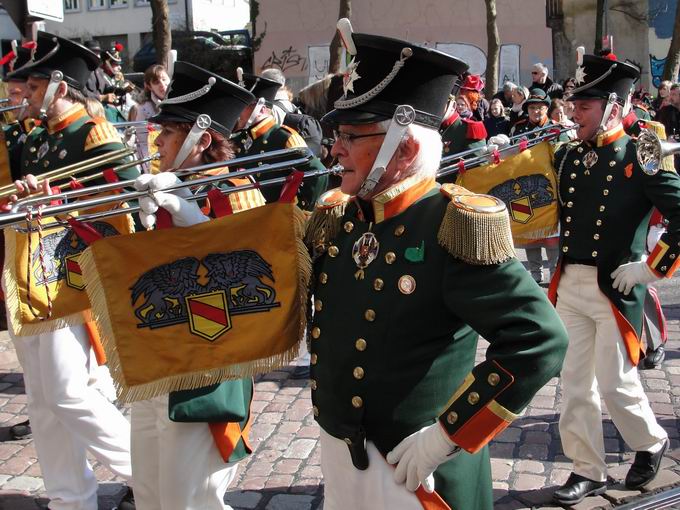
493,45
336,43
672,67
160,30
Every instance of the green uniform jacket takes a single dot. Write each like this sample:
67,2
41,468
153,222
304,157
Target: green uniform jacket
71,138
267,136
395,351
15,134
461,135
604,216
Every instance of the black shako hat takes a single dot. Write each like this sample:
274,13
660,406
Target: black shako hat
536,96
386,73
195,91
260,87
55,53
597,77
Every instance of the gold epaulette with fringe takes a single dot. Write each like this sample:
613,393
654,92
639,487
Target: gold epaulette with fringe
667,163
102,133
475,228
324,224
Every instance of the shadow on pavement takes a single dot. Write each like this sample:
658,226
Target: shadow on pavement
20,501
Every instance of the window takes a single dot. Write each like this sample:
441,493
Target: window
71,5
140,3
117,4
95,5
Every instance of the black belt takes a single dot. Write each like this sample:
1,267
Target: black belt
584,262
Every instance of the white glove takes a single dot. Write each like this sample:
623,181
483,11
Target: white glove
418,455
499,140
627,276
184,213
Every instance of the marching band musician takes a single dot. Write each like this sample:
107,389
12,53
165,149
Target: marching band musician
163,478
68,415
15,133
536,107
601,280
257,132
396,255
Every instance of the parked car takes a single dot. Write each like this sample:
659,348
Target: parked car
220,53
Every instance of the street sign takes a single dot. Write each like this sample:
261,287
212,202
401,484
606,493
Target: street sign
46,9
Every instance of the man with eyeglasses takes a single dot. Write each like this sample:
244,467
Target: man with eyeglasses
541,80
406,274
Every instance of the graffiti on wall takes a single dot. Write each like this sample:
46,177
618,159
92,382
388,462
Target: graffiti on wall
286,60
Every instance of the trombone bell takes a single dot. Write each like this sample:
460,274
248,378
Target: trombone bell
651,150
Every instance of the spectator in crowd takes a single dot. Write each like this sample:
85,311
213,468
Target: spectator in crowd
496,123
156,82
517,113
568,86
541,80
663,99
282,103
471,88
557,114
669,115
505,94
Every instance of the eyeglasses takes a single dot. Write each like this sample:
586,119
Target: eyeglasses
535,72
346,139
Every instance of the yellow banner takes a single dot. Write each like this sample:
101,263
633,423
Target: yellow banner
527,184
221,300
45,290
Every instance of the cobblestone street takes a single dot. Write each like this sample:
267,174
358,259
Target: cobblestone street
284,472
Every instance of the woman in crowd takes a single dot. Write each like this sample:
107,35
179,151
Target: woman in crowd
557,114
496,123
156,81
663,99
519,95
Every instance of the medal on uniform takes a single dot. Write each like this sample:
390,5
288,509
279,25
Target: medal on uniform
42,150
365,251
247,143
62,153
407,284
590,159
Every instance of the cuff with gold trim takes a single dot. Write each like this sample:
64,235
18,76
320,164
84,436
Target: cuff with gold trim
473,416
663,260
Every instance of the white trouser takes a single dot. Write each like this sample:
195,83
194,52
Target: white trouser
69,416
347,487
175,466
597,365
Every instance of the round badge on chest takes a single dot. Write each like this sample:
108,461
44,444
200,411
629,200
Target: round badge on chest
407,284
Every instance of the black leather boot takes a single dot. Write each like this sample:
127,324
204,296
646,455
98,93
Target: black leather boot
644,468
577,488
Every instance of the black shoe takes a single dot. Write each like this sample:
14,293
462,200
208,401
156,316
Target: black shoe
654,358
577,488
21,430
128,501
644,468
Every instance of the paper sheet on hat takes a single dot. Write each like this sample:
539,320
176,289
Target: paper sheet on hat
526,183
222,300
38,281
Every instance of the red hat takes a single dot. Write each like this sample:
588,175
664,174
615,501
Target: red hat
473,82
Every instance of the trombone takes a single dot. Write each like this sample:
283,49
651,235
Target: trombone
451,164
4,109
298,156
70,170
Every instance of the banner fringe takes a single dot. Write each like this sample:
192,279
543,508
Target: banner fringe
14,305
97,294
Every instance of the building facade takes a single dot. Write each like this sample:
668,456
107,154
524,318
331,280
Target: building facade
129,21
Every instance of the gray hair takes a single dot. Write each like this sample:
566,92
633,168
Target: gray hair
508,86
274,75
540,67
429,156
